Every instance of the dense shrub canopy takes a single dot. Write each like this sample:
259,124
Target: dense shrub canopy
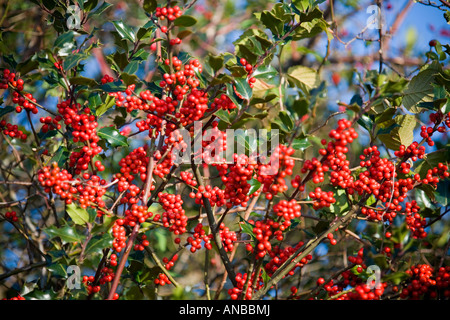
223,150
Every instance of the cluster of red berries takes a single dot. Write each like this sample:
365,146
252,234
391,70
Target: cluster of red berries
249,68
188,178
272,175
223,102
106,78
11,216
162,167
263,233
435,175
136,214
216,196
125,185
194,107
252,286
173,217
143,243
228,237
288,210
214,146
119,234
321,198
10,78
168,264
135,163
199,236
436,119
106,275
351,278
235,177
12,130
18,297
84,129
279,256
162,279
89,193
171,13
50,124
413,152
88,282
425,281
24,100
330,237
414,221
378,178
337,149
333,158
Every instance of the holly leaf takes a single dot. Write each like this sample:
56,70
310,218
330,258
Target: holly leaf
67,234
301,144
185,21
124,31
254,186
79,216
113,137
61,156
420,89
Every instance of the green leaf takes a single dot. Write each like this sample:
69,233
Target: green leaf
6,110
272,22
57,270
303,77
79,80
396,278
266,72
99,10
223,115
27,66
107,224
132,67
431,161
109,103
90,4
420,88
254,186
125,31
320,227
301,144
216,62
403,134
443,193
61,156
113,137
232,95
246,227
73,60
64,39
79,215
185,21
113,86
129,79
150,6
67,234
243,88
98,243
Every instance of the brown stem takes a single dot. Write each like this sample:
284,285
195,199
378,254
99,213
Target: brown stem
123,260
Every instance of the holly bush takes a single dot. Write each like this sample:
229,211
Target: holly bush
130,168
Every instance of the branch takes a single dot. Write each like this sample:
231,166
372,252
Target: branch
213,226
302,252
